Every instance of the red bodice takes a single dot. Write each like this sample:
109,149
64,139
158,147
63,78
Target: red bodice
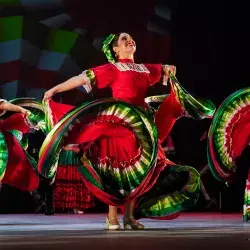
129,81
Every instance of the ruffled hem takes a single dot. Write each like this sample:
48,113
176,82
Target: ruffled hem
36,120
176,189
111,133
70,191
195,108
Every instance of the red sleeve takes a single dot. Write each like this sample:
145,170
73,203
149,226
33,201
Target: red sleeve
155,72
103,75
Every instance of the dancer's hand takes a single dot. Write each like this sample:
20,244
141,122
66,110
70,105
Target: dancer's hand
7,106
25,112
48,94
169,68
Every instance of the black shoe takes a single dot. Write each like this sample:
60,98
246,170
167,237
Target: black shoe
40,208
49,211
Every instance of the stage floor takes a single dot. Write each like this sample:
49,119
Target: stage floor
87,231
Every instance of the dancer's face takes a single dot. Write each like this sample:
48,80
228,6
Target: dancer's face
125,46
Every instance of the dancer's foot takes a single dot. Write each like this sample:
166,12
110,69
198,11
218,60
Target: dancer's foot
112,223
49,211
77,211
131,223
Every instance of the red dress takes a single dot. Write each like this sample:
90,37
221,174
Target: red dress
123,158
70,191
228,141
17,169
130,81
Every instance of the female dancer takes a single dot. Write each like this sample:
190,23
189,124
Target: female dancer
16,168
70,192
119,155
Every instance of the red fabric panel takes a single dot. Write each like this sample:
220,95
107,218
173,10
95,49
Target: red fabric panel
19,173
10,71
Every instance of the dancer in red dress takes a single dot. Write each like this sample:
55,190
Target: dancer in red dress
123,157
17,169
67,190
70,192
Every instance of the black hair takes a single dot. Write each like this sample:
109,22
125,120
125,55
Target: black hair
114,44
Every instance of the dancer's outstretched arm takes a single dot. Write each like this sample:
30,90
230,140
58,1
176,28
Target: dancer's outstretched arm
72,83
7,106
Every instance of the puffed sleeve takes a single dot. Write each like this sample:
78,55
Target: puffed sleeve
100,77
156,72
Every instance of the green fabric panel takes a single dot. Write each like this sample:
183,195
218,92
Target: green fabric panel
11,28
61,41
